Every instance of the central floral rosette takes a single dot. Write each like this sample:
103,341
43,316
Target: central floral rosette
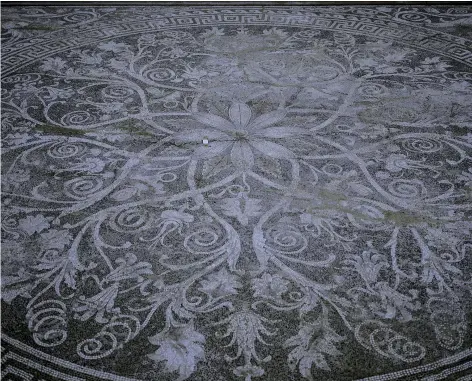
245,135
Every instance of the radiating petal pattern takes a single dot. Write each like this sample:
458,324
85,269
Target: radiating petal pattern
197,135
240,114
214,121
242,156
210,150
268,119
272,149
281,132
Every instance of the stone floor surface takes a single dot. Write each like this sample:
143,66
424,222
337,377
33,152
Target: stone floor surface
215,193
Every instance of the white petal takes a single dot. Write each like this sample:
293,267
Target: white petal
197,136
242,156
268,119
214,121
281,132
272,149
213,149
240,114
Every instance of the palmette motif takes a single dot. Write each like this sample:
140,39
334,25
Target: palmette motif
328,213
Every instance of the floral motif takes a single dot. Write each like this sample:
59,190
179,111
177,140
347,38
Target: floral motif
181,348
34,224
220,284
242,133
313,343
270,286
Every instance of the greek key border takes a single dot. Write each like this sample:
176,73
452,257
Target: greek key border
421,38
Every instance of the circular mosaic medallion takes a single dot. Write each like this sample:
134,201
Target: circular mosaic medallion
222,193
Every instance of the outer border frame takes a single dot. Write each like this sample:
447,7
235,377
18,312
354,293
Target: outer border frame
398,374
441,3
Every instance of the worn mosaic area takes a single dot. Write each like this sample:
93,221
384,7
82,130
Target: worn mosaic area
224,193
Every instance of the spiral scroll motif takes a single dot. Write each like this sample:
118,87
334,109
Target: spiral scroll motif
47,321
82,187
64,150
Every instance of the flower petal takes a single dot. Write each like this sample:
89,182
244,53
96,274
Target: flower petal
272,149
242,156
240,114
214,121
213,149
265,120
196,136
281,132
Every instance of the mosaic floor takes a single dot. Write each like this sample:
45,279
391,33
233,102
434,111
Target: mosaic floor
247,193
